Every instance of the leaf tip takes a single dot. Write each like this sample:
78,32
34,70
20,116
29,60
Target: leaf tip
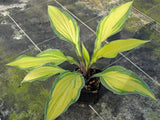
49,7
21,83
8,64
11,64
131,2
24,81
154,98
147,41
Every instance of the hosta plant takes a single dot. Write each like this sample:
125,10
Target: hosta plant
67,86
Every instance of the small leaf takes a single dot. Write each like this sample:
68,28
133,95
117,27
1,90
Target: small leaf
111,49
71,60
85,55
42,73
65,91
121,81
64,26
54,56
112,23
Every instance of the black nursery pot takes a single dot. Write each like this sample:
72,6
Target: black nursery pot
88,97
90,92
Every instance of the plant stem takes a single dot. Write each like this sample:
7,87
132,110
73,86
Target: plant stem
83,68
89,67
82,65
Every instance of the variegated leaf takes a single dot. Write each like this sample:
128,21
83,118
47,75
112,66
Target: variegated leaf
111,49
42,73
85,55
64,26
54,56
112,23
65,91
121,81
